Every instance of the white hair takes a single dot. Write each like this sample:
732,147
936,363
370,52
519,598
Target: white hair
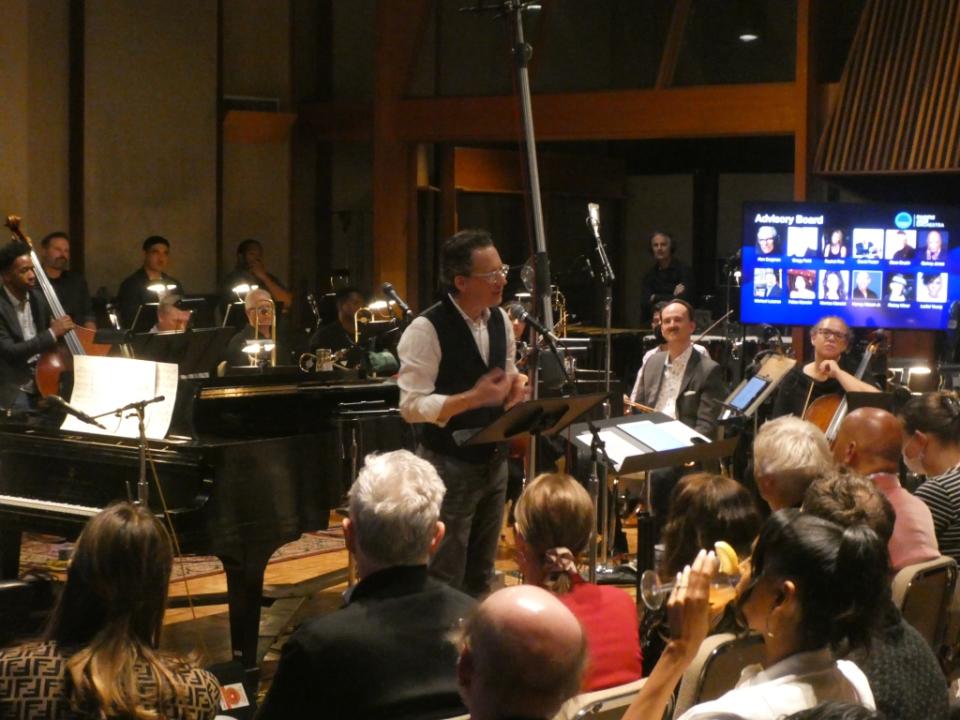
793,453
254,296
394,506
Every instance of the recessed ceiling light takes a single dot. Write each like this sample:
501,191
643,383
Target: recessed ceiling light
749,37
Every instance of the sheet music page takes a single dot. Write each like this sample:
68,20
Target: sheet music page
616,448
651,435
158,415
682,432
101,384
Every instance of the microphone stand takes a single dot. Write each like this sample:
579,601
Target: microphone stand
522,52
607,278
143,489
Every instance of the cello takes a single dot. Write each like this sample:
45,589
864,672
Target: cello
78,341
828,411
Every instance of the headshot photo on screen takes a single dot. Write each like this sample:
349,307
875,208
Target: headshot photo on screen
768,241
801,283
867,243
766,283
900,245
932,287
867,285
834,244
833,285
934,246
802,242
899,288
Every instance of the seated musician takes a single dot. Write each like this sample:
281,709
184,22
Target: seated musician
26,329
251,271
135,289
660,345
824,375
339,334
386,653
70,286
170,318
260,318
681,383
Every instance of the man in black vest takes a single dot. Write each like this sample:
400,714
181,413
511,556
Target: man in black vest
457,373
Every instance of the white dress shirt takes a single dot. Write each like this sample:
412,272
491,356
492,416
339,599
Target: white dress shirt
673,371
796,683
649,354
419,352
28,327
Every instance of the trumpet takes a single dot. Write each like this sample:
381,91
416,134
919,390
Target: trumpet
377,311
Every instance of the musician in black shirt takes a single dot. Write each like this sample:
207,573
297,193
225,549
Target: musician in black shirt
668,279
70,286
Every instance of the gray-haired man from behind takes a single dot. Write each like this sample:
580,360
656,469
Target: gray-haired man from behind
386,653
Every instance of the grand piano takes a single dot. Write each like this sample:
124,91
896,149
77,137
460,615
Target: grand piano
249,464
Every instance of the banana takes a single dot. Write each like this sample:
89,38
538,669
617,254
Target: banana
729,562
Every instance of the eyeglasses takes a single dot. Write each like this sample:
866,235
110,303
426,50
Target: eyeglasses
832,334
493,276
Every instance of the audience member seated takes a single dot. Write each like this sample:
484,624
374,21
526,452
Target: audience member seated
99,655
869,442
931,446
814,588
386,654
788,454
554,519
836,711
904,674
521,656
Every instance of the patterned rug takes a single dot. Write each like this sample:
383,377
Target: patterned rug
51,554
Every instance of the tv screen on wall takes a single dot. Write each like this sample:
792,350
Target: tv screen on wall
879,266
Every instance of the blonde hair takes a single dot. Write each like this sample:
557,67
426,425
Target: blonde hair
553,512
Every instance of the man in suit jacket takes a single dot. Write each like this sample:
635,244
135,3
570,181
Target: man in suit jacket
683,384
386,654
26,329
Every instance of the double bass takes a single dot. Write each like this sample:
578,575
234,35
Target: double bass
79,341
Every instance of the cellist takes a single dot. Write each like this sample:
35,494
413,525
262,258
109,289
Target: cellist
26,329
822,376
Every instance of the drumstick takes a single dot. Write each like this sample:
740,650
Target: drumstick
630,403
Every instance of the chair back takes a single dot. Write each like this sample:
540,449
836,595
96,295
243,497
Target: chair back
607,704
716,668
923,592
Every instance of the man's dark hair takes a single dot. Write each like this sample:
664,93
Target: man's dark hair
456,255
678,301
248,243
52,236
669,236
10,252
155,240
345,292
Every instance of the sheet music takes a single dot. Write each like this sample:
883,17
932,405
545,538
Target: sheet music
101,384
682,432
616,448
653,435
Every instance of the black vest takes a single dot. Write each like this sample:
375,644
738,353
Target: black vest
460,367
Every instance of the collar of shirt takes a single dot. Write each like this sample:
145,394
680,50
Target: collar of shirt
679,363
13,298
884,481
797,664
484,316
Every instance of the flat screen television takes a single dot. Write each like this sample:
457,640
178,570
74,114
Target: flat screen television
879,266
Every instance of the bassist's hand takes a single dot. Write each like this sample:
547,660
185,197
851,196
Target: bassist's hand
61,326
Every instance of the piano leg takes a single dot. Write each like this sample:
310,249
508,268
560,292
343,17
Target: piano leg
245,596
10,553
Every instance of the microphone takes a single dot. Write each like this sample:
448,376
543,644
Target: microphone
531,320
594,218
71,410
389,291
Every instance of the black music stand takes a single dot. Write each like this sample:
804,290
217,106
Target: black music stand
645,458
195,351
544,416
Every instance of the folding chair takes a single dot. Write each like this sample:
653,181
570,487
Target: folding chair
716,668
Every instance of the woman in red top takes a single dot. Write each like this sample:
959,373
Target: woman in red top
554,521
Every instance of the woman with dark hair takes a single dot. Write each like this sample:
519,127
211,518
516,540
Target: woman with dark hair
815,589
705,508
833,286
554,521
931,447
99,655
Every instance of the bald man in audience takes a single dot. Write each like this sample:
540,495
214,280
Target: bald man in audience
387,652
522,656
789,454
869,442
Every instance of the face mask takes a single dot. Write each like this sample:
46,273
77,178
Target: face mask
914,464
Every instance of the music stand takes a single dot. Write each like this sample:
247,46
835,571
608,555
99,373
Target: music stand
195,351
544,416
145,317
